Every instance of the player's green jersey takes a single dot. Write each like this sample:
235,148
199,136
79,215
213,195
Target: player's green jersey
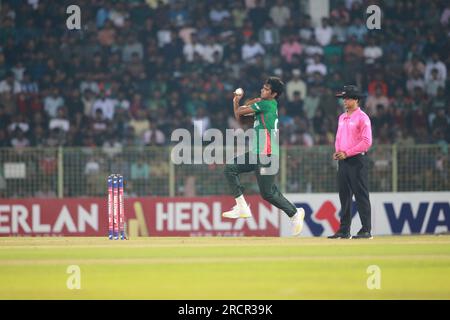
266,127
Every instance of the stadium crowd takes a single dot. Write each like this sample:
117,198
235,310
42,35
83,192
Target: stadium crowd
139,69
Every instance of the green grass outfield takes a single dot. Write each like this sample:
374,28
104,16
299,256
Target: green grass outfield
225,268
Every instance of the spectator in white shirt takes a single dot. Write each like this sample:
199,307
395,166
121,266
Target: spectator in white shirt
194,47
211,47
311,49
112,146
445,17
89,84
118,14
18,71
122,102
9,84
201,121
316,66
218,13
164,35
295,84
280,13
92,166
324,33
435,63
60,121
53,102
18,122
153,136
432,86
415,81
88,100
19,140
372,52
251,49
106,105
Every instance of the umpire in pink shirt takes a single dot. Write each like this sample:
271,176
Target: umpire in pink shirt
353,140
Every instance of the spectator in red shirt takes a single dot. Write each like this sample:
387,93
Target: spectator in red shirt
378,82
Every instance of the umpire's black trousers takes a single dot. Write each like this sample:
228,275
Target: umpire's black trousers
353,180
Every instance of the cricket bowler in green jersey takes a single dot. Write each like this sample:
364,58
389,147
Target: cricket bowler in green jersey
262,157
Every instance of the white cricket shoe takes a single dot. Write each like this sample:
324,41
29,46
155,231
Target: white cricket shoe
238,212
297,222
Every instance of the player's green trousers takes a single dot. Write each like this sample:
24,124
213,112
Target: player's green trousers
265,175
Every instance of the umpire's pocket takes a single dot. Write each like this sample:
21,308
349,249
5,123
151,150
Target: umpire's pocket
358,162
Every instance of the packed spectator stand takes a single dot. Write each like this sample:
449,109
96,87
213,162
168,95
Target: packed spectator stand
137,70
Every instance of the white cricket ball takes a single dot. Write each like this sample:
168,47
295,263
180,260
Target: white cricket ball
239,91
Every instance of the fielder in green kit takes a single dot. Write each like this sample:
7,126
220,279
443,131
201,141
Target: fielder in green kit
264,156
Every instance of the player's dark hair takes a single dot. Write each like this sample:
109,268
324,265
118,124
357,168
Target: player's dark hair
276,85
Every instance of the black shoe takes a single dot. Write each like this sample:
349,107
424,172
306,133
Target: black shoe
340,235
363,235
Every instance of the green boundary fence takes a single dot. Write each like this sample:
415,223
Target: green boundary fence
149,171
